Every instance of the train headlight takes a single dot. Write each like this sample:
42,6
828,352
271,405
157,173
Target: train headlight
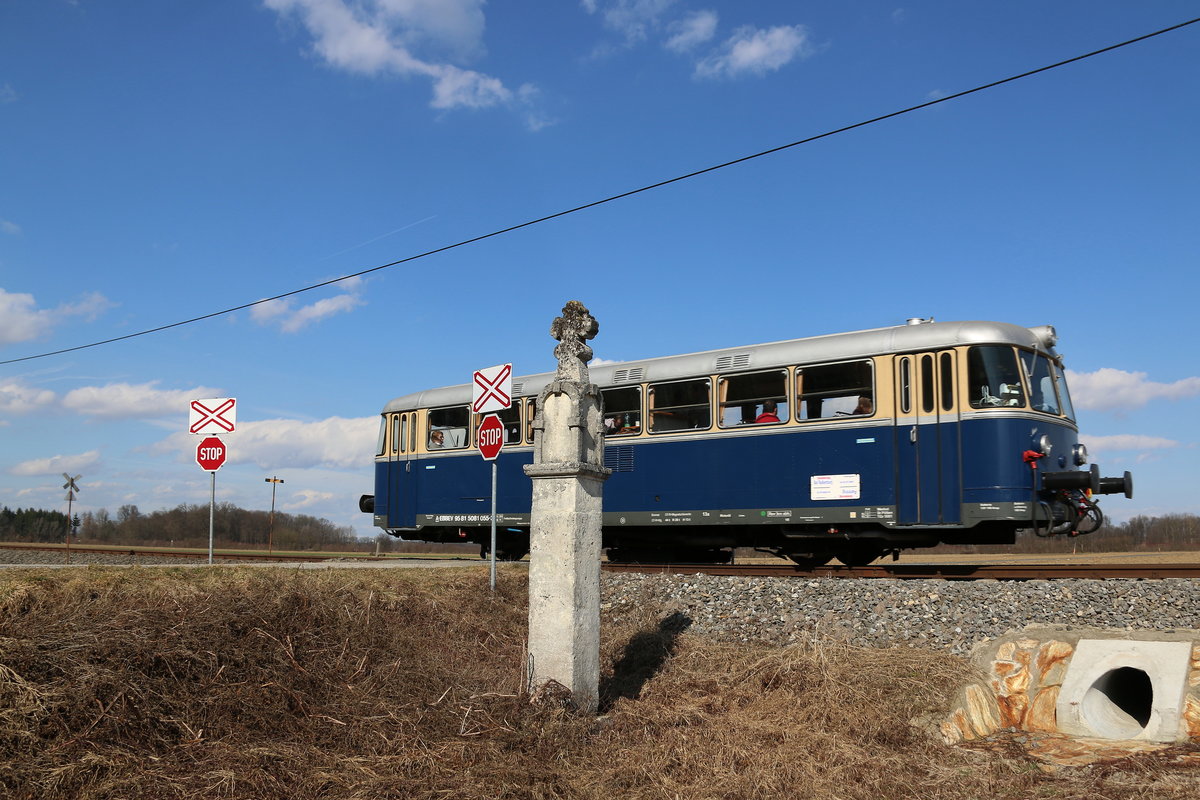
1080,454
1044,445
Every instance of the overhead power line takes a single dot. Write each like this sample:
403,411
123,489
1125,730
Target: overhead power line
615,197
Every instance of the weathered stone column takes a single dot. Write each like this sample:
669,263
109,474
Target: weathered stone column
564,555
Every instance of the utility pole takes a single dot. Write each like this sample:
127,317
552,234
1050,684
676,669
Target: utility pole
271,526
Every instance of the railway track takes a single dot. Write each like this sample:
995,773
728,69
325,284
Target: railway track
1093,570
909,571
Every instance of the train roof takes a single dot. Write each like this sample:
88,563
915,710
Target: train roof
915,336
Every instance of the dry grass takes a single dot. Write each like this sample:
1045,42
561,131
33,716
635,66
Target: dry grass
250,683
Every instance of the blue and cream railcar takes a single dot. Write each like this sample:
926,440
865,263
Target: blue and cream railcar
849,445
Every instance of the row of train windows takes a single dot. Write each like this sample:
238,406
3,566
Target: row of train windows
822,392
761,398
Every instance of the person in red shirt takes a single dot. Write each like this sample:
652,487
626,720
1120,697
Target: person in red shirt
768,413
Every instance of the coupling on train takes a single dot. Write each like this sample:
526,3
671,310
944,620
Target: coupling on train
848,446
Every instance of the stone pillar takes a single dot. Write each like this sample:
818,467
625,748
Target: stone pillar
564,537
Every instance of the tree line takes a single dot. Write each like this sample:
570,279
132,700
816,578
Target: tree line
187,526
183,526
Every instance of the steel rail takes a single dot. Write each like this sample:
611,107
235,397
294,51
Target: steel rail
962,572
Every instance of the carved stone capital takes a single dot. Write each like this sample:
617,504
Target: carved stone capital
573,329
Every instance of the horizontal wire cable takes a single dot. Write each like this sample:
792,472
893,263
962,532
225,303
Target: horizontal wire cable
614,197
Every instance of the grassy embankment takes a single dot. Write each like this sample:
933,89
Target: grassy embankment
274,683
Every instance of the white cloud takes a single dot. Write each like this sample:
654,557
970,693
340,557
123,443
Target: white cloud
1125,442
57,464
334,442
375,37
11,228
8,94
289,320
307,498
1109,389
17,397
133,401
277,444
756,51
691,31
633,19
21,319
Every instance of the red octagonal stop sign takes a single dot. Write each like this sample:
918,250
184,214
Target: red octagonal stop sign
210,454
491,437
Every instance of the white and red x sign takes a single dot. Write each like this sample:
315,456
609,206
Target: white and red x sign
491,389
218,415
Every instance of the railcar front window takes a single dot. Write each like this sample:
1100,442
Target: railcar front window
383,426
680,406
447,428
1064,394
993,377
755,399
1042,395
622,411
835,390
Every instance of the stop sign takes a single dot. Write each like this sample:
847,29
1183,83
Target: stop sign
210,454
491,437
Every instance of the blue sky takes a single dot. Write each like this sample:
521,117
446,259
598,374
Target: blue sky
161,161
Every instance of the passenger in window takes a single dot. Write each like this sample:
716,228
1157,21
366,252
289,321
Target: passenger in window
865,406
768,413
437,440
621,423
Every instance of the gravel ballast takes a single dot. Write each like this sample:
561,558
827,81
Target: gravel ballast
934,614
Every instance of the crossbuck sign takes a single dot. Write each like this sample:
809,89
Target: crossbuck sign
218,415
491,389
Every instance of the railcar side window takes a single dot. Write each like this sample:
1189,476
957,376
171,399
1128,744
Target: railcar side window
835,390
753,399
680,406
530,411
622,411
906,384
1042,395
947,380
993,378
1064,393
383,426
510,418
447,428
927,384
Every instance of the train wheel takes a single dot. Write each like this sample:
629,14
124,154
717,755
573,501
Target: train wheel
515,554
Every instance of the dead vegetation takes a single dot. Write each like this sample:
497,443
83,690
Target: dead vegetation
247,683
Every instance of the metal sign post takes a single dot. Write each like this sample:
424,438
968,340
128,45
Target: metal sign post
492,563
212,504
491,442
71,488
210,455
216,415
